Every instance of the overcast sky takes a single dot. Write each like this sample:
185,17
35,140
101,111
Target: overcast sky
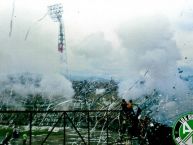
141,42
104,37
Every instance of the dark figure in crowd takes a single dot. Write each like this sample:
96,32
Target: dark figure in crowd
135,123
124,107
15,133
124,116
127,108
130,118
130,108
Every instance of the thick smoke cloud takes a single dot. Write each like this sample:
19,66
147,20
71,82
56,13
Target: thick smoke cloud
153,57
52,85
95,52
146,61
98,55
22,63
145,57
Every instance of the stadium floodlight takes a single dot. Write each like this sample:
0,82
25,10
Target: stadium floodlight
56,11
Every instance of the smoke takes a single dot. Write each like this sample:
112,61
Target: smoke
146,60
150,46
97,54
31,67
92,48
12,18
48,85
39,20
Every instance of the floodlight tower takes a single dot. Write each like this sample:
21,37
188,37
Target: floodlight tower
55,12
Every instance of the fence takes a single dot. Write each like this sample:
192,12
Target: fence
85,127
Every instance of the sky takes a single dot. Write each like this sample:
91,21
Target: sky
143,43
95,31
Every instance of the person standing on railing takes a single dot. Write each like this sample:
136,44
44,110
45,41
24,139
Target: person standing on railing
130,108
124,117
124,107
130,118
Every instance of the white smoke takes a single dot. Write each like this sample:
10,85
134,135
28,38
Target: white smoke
26,83
153,62
24,63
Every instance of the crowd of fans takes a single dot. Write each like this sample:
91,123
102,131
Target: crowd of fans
145,130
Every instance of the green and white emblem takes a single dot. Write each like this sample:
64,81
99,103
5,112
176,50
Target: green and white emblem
183,130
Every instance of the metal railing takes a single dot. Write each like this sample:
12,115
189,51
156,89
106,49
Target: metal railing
103,125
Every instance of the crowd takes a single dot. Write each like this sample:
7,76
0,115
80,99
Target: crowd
146,130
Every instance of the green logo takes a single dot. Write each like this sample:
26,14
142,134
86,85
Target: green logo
183,130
